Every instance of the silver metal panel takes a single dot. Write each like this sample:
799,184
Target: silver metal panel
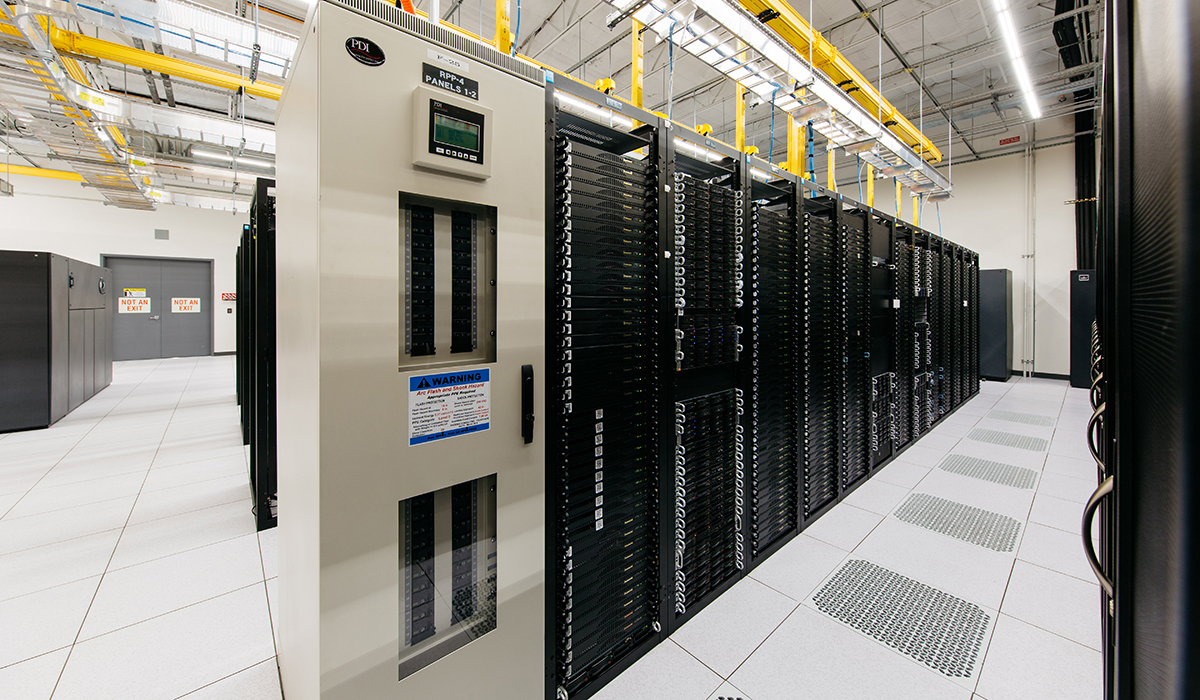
59,349
77,328
89,353
344,459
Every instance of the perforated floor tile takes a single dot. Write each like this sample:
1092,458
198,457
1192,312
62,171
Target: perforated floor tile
998,437
995,472
960,521
1026,418
935,628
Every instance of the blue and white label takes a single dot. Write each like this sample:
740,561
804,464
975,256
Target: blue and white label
447,405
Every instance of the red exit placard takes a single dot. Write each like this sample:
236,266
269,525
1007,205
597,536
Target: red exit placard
1010,139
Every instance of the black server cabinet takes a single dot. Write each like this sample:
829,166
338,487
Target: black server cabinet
1145,431
606,498
995,325
904,335
256,350
732,351
1083,317
856,344
777,370
883,417
55,337
712,469
822,437
972,323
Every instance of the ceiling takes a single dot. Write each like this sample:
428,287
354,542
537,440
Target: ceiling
194,143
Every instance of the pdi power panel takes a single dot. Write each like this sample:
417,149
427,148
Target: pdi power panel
410,348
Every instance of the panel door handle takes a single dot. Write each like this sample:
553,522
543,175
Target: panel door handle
154,318
1089,513
527,403
1097,415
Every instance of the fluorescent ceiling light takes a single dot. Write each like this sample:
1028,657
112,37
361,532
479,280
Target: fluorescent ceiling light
212,155
255,163
586,107
1009,30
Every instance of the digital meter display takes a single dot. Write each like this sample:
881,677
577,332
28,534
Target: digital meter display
454,132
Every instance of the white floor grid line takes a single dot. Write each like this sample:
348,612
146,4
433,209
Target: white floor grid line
177,600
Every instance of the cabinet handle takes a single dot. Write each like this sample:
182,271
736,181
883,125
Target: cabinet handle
527,403
1089,513
1097,415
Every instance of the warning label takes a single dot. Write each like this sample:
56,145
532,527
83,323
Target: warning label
448,405
133,305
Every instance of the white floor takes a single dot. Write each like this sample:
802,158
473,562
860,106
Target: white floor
130,569
129,564
765,639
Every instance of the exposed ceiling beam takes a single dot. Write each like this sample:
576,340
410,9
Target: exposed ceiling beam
586,59
887,40
857,15
990,41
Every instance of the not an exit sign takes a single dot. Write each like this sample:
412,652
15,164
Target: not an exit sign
1010,139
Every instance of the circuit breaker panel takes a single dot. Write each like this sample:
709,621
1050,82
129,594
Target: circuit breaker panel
412,383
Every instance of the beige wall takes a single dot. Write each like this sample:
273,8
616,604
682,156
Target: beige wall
64,218
1003,209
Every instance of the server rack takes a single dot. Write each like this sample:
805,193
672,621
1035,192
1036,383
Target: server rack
255,298
856,360
906,338
604,496
822,436
731,351
777,325
884,416
707,226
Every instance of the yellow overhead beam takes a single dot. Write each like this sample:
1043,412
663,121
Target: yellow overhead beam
80,44
40,172
638,66
739,112
503,33
793,146
795,30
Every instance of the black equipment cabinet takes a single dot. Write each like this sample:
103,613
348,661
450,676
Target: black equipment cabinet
731,351
1144,375
55,337
996,325
1083,317
256,350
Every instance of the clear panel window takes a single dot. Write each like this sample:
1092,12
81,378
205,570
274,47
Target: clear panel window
447,571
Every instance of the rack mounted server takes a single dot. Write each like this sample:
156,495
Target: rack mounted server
731,356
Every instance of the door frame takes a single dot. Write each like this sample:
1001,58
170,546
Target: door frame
212,287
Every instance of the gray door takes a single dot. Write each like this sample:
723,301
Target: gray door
186,331
186,326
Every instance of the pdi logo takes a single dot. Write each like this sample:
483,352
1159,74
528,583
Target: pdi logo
364,51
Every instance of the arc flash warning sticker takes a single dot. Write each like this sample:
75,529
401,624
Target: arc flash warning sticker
447,405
